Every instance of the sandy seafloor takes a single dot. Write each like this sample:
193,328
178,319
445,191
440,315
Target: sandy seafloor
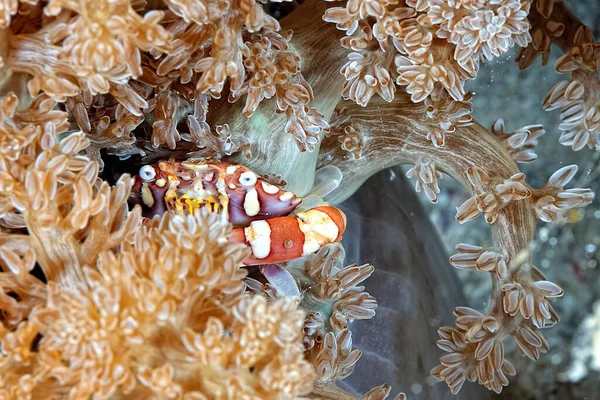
568,253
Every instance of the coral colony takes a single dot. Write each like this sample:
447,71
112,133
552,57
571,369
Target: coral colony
137,286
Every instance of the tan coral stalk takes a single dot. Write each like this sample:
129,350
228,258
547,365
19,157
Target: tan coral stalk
329,392
398,134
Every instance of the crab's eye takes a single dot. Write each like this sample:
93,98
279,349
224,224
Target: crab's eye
147,173
248,179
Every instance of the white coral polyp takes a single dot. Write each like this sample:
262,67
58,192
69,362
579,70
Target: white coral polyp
489,32
366,8
367,75
580,113
420,72
427,177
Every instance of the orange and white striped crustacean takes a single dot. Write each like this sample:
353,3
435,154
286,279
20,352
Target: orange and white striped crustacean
259,211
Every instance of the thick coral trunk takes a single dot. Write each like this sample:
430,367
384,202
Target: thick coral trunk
396,134
329,392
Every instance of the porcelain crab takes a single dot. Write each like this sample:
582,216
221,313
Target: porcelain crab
264,216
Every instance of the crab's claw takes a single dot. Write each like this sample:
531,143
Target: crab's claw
286,238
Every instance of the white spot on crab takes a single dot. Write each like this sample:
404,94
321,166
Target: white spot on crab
231,169
270,189
251,204
318,228
286,196
147,196
258,234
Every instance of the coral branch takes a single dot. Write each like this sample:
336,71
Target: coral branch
398,134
